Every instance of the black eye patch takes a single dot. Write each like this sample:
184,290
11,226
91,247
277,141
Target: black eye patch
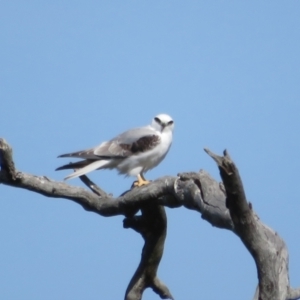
157,120
170,122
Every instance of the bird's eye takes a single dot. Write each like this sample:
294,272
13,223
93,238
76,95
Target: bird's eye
170,122
157,120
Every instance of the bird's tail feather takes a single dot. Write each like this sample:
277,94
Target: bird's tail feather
75,165
98,164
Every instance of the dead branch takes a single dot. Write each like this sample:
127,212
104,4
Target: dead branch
222,205
152,225
185,190
265,245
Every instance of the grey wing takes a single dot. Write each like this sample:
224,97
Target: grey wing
124,145
128,143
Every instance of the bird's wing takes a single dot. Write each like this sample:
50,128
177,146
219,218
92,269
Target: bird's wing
128,143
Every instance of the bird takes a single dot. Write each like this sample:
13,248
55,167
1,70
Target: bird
132,152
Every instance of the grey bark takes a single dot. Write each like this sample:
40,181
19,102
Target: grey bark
223,205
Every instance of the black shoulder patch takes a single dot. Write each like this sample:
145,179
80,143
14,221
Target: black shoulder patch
145,143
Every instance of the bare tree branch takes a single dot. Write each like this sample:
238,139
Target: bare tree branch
294,294
186,190
152,225
200,192
265,245
92,186
6,159
223,205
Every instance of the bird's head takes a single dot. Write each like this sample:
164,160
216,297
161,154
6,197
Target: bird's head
163,123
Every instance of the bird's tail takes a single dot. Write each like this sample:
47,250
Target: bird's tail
75,165
85,166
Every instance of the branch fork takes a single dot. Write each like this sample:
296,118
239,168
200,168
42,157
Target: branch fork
223,205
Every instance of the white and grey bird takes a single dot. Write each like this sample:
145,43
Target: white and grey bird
132,153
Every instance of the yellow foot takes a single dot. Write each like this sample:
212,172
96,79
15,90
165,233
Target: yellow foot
141,181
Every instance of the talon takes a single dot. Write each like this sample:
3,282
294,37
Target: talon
141,181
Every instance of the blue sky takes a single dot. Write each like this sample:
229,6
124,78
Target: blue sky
73,74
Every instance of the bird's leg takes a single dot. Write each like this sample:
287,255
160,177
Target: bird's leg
141,180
